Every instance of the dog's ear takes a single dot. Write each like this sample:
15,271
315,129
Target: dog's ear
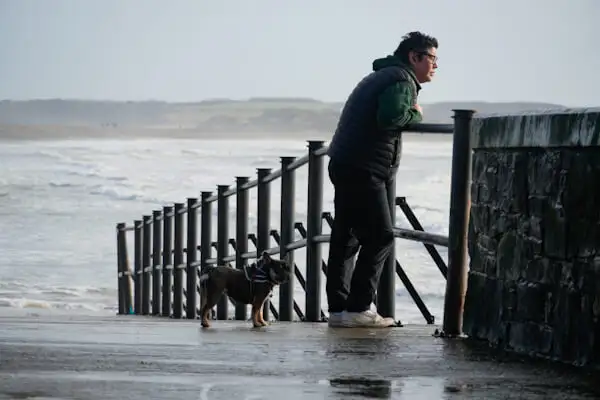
265,256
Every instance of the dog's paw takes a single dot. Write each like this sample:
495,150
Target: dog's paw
205,324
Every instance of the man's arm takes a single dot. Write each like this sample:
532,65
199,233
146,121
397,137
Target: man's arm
395,108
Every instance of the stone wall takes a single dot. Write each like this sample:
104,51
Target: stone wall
534,235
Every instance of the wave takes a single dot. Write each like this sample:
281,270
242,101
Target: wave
196,153
76,291
426,296
12,187
9,187
17,294
82,165
16,188
114,193
36,288
48,154
64,184
119,190
48,305
96,174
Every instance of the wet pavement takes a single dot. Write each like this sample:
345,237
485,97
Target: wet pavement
79,357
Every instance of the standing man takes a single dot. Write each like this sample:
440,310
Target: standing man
364,157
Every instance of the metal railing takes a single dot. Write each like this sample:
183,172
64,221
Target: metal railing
165,271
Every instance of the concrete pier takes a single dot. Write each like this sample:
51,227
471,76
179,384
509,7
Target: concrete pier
126,357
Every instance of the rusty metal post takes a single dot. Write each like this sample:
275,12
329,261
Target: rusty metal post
456,282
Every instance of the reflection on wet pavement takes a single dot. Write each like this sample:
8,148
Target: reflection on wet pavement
153,358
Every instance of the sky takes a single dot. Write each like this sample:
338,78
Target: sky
490,50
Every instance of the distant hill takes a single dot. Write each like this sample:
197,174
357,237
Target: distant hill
214,116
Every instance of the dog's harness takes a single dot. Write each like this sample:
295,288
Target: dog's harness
259,275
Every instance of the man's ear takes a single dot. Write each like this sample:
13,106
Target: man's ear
413,57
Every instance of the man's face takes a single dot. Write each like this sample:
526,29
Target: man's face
424,64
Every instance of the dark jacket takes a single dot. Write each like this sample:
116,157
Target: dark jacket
368,134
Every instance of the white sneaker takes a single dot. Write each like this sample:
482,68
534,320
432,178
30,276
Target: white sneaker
335,319
365,319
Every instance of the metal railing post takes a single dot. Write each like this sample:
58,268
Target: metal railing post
314,224
456,282
137,266
263,222
146,263
124,275
222,243
386,289
286,290
191,271
205,233
167,260
156,267
178,263
241,235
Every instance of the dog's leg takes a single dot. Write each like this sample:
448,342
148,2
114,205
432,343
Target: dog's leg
257,310
262,319
260,295
212,297
255,316
204,311
203,298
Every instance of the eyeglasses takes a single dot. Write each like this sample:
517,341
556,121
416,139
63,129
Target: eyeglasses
434,59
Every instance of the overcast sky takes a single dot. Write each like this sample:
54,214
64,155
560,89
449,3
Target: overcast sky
491,50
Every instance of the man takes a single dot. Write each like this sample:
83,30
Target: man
364,157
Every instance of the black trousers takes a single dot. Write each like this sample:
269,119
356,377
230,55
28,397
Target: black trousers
362,220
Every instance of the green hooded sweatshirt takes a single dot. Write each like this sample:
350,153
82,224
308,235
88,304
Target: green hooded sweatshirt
395,105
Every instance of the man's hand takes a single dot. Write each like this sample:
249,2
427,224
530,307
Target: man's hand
418,108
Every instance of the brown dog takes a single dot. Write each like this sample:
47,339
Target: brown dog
251,285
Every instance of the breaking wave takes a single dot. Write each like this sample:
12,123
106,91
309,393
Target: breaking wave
17,294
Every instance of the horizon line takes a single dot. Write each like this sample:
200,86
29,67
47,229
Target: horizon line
256,99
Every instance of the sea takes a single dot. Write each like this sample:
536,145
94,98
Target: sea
60,201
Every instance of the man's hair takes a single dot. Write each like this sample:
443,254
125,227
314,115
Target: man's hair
414,41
